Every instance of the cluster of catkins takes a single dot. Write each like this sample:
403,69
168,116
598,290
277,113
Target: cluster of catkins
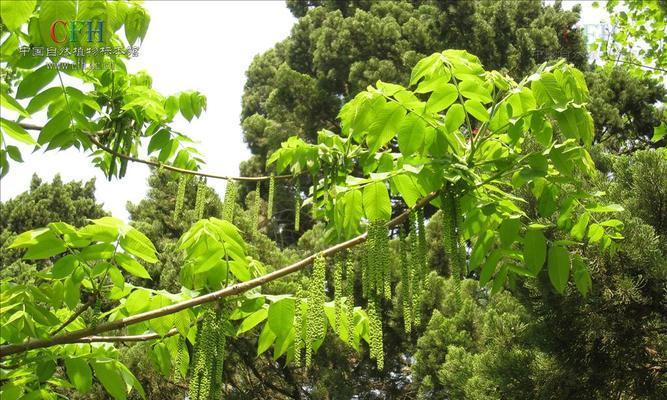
209,355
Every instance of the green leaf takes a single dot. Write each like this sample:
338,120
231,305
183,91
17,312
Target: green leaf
161,325
377,205
137,244
534,250
252,320
425,67
35,81
659,132
55,126
477,110
281,316
15,13
480,249
559,267
64,267
131,265
136,24
16,132
384,125
509,231
473,89
185,102
582,277
408,187
79,374
489,267
137,301
8,102
595,233
266,339
162,358
47,245
606,209
579,229
443,97
454,117
72,293
14,153
53,10
98,251
111,379
411,134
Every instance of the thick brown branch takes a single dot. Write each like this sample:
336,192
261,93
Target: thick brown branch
73,337
97,143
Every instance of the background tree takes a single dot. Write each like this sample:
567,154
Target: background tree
541,345
72,202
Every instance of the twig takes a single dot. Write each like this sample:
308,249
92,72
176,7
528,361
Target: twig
97,143
76,314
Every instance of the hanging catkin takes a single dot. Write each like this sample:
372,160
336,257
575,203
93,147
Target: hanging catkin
454,254
415,270
297,211
272,190
256,207
377,269
205,346
349,298
463,267
299,333
314,205
375,334
180,194
200,199
338,291
406,279
229,204
316,299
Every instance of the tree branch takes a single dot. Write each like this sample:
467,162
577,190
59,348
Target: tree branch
97,143
76,314
74,336
126,338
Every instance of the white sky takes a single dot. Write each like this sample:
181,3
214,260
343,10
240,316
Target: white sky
190,45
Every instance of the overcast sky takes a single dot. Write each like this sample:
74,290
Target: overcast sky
198,45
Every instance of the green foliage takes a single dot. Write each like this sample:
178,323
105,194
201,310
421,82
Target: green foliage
122,108
337,49
505,163
468,158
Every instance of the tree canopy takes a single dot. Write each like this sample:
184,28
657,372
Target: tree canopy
466,219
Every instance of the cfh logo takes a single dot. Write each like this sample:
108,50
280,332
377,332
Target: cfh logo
70,31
